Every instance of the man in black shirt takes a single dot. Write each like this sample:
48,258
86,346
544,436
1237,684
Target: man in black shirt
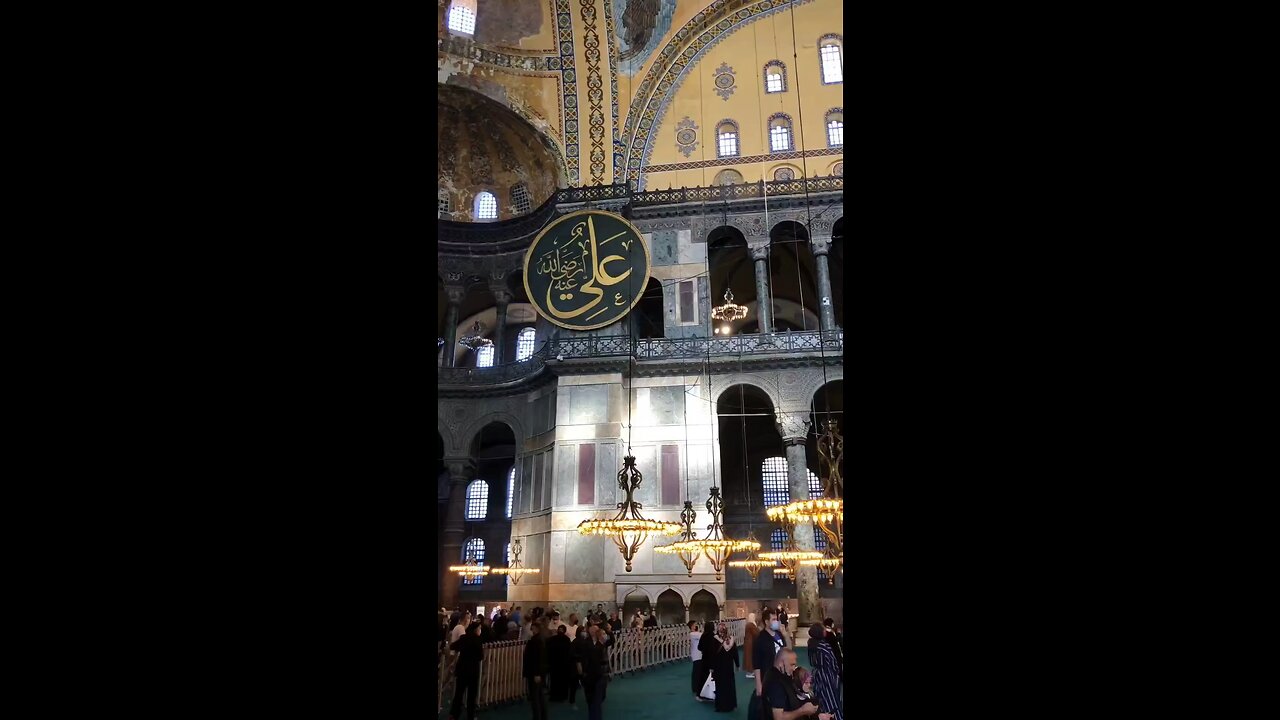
781,701
467,671
594,668
615,622
535,671
651,620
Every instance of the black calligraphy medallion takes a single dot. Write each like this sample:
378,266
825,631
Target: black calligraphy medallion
586,270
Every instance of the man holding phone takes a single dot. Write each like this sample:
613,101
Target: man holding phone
781,700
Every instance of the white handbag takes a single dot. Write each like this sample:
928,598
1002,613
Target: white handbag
708,689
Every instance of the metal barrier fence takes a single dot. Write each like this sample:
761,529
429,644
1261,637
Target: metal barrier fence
502,672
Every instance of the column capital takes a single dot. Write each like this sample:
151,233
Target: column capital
794,427
759,252
501,295
820,244
461,469
455,294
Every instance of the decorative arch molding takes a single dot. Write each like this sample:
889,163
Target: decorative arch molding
770,389
472,429
814,381
446,433
690,43
652,590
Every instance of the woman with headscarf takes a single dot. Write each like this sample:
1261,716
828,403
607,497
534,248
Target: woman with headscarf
724,667
827,681
749,643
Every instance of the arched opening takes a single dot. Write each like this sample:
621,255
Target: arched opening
732,270
703,607
670,608
748,435
494,450
442,503
827,407
635,601
478,306
648,314
442,313
792,277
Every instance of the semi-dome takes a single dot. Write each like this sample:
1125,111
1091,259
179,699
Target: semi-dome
488,148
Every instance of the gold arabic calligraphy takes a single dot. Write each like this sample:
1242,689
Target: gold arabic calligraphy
575,265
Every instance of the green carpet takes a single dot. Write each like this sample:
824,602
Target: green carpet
657,694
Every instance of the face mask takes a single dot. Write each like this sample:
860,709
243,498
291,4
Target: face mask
775,625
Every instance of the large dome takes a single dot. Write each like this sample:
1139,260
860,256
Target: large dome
487,147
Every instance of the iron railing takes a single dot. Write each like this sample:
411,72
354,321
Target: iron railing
758,189
782,343
635,649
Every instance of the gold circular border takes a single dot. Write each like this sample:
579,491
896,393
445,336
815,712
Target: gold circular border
524,274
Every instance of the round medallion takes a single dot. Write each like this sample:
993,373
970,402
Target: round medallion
724,81
839,170
586,270
685,137
784,174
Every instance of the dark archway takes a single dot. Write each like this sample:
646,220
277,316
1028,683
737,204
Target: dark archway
732,269
670,608
442,310
494,450
636,600
793,277
703,607
748,434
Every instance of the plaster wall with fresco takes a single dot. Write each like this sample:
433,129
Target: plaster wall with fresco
554,107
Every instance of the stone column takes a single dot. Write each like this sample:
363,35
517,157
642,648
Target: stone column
793,428
503,296
461,471
826,311
760,254
686,614
451,325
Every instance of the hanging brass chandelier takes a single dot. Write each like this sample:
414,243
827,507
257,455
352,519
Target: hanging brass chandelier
790,558
470,569
728,312
516,569
688,554
829,564
475,340
628,529
753,564
826,512
715,545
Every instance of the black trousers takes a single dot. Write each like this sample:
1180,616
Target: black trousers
574,681
469,685
700,673
538,699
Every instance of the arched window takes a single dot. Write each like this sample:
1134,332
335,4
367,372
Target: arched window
477,500
484,357
524,344
520,198
728,177
511,493
831,54
775,77
473,549
462,17
780,132
784,173
835,127
774,479
486,206
727,134
442,204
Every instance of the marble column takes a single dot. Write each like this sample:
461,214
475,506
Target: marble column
461,471
760,254
686,614
794,428
503,296
826,310
451,325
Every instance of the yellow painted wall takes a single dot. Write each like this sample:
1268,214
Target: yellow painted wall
747,51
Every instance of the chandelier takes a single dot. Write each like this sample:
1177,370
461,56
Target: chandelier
517,569
628,529
792,555
829,564
475,340
827,512
470,569
715,545
781,573
687,554
753,564
728,312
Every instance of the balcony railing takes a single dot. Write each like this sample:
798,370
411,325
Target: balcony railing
781,343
